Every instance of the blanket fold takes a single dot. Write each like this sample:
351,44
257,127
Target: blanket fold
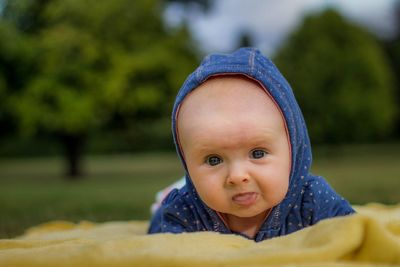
369,238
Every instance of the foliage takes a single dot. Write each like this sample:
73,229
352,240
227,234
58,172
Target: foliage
99,57
91,64
15,67
392,47
206,5
341,79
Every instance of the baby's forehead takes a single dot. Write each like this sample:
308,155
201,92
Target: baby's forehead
225,84
228,91
223,105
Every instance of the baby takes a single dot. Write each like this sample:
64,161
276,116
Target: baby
244,145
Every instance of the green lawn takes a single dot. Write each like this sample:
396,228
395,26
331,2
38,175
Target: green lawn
119,187
122,187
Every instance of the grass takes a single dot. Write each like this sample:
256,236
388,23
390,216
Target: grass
362,174
122,187
115,188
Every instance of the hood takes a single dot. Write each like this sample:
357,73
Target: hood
251,63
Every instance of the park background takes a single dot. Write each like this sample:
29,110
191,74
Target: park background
86,91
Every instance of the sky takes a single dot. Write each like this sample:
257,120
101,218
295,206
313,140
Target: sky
270,21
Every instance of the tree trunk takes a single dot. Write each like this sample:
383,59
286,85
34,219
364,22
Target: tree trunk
73,148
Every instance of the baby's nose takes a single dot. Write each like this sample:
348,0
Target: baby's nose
237,174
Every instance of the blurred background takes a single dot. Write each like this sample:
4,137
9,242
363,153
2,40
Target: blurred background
86,91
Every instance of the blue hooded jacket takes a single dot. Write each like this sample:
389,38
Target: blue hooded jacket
309,198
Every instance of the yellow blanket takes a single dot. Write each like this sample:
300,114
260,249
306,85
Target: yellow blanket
371,237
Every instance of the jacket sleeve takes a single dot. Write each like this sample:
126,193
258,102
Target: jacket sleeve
320,202
167,219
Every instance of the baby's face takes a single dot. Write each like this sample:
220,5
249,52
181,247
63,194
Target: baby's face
236,148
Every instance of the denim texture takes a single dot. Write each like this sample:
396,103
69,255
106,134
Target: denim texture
309,198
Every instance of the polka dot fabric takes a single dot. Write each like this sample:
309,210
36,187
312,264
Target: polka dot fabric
309,198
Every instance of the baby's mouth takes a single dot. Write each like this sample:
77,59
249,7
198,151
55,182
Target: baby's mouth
245,199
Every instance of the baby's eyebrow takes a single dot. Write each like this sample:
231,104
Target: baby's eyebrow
205,149
213,146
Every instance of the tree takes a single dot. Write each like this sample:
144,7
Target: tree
93,61
245,39
205,5
392,47
341,79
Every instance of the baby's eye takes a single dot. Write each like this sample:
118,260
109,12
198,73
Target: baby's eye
258,153
213,160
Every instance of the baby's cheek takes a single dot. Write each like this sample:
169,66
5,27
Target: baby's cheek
211,193
207,187
275,184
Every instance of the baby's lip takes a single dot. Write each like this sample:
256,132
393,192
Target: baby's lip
245,199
